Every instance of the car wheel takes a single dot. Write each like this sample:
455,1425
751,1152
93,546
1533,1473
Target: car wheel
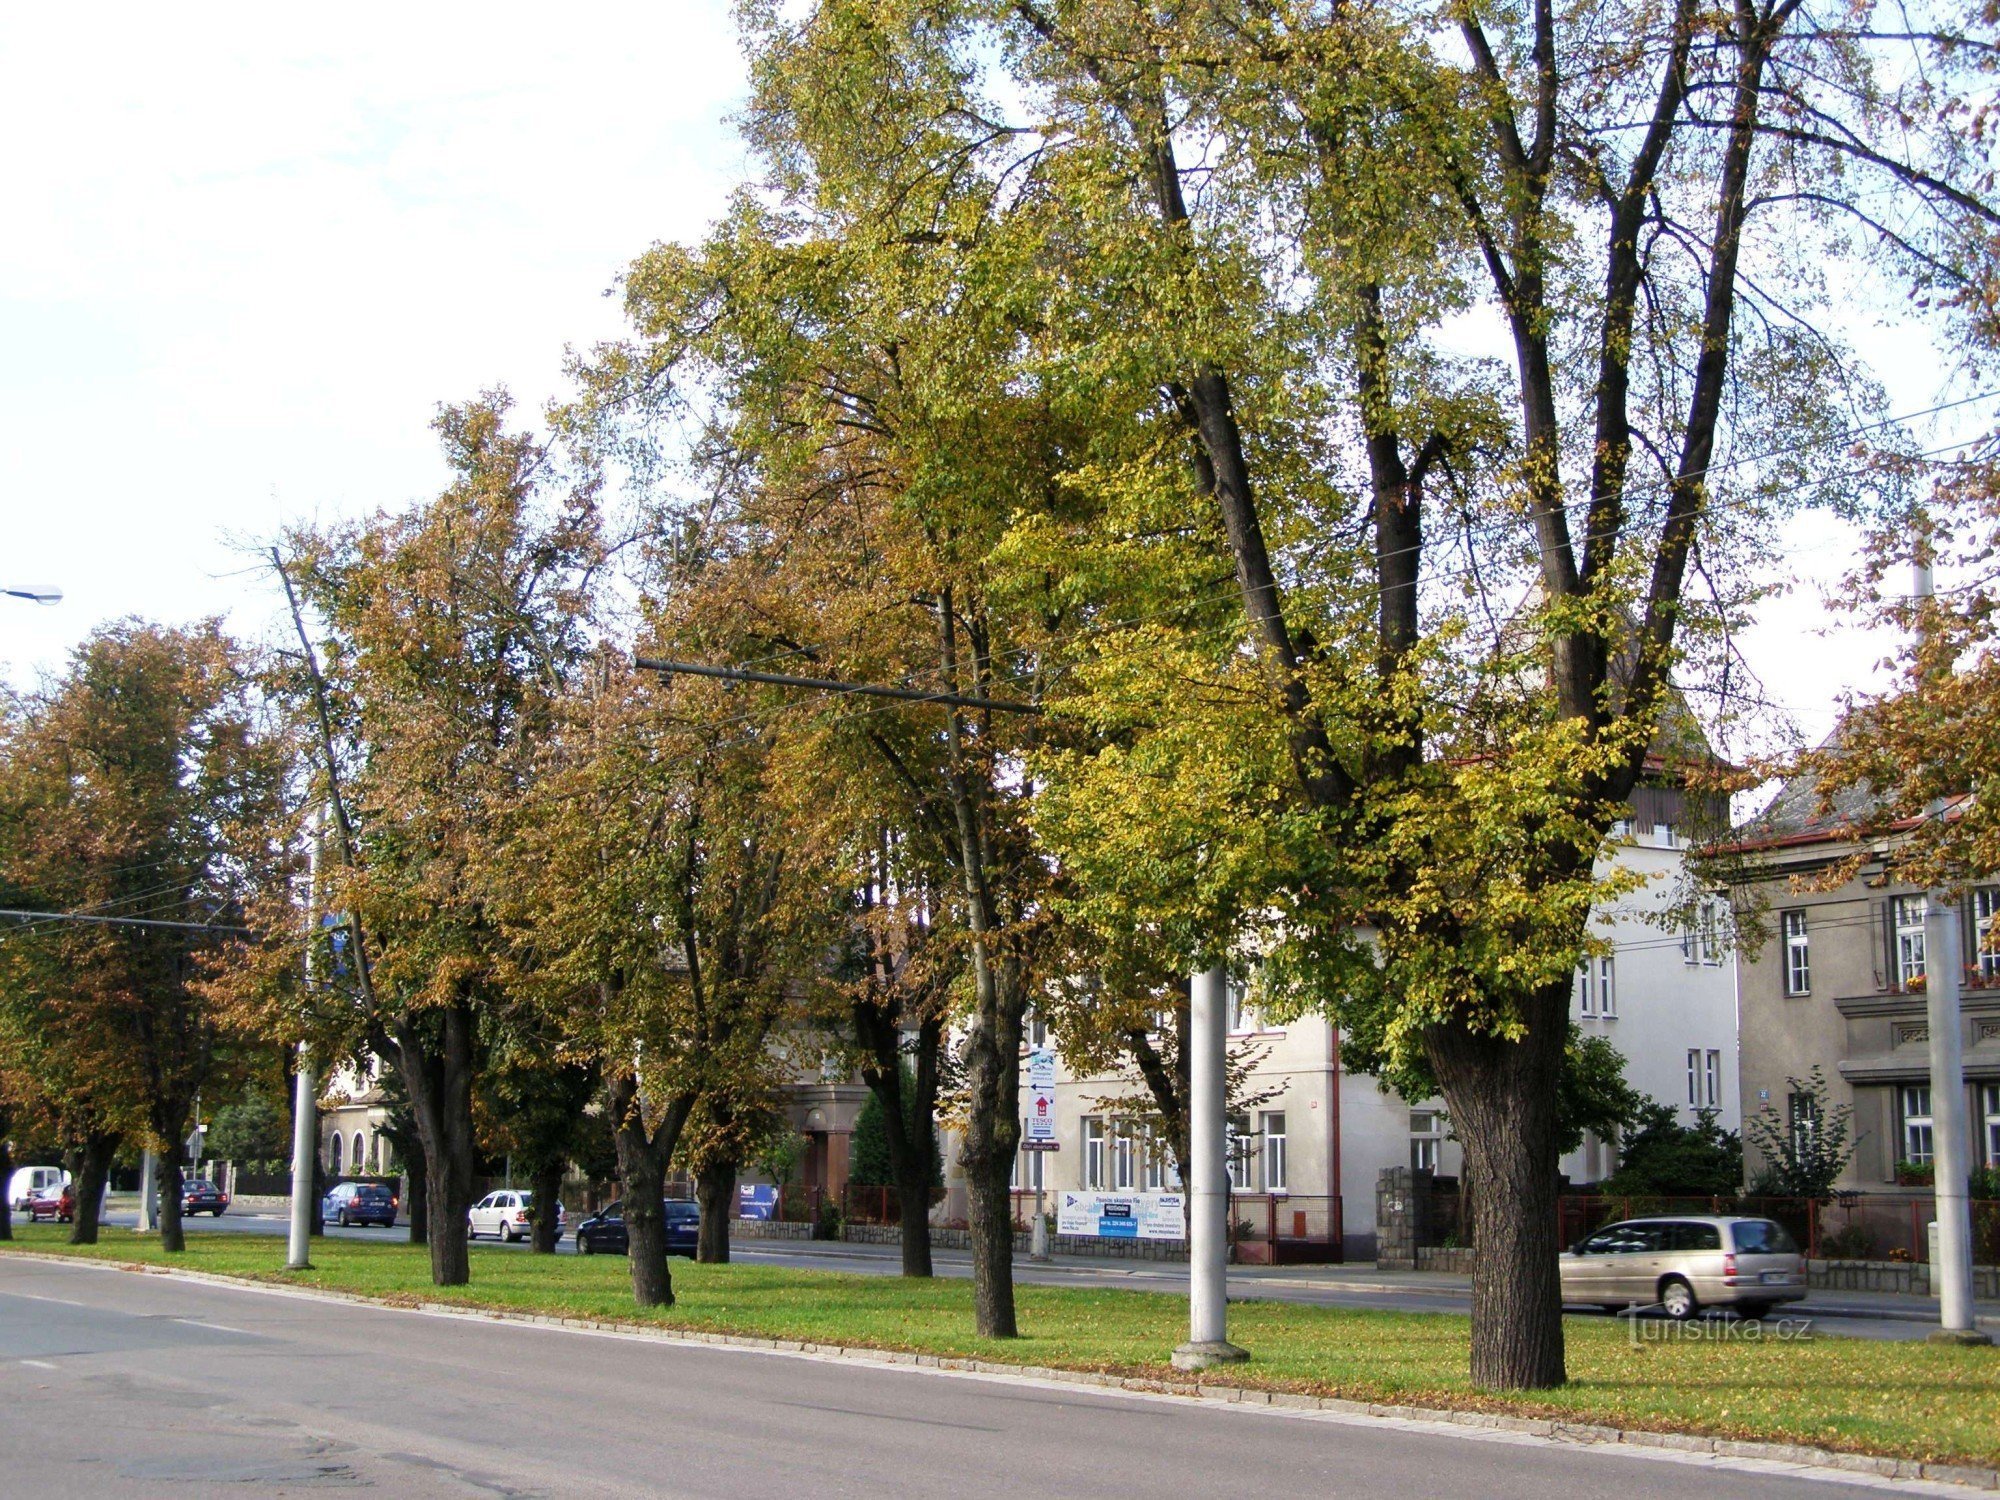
343,1218
582,1245
1677,1299
506,1233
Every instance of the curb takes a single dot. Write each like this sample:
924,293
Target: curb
1796,1456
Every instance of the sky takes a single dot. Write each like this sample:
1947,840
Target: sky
248,250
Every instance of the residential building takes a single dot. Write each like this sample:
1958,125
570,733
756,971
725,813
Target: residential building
1838,982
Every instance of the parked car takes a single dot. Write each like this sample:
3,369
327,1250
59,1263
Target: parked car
27,1181
1686,1264
603,1233
57,1203
508,1213
200,1196
360,1203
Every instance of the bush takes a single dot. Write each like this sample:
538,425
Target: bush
1665,1158
1851,1242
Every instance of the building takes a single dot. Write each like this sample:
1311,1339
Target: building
1839,983
352,1140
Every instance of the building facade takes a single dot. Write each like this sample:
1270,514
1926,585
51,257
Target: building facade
1838,982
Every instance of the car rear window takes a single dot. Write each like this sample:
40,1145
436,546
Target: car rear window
1762,1237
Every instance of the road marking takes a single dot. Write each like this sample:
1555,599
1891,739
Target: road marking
216,1327
32,1297
39,1364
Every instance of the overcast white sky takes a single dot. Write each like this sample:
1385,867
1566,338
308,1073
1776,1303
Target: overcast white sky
248,250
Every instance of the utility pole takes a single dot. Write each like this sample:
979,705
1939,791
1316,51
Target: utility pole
148,1193
1208,1180
305,1122
1951,1275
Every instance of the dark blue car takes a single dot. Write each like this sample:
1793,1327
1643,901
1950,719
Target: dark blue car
360,1203
603,1233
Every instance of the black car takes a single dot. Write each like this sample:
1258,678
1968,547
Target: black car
200,1196
603,1233
360,1203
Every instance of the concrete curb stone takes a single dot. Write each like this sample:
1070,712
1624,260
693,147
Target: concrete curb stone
1582,1433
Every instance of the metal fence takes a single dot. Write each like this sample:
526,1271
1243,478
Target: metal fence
1849,1226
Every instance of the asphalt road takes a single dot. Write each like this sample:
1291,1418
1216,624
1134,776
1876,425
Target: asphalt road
1830,1317
120,1385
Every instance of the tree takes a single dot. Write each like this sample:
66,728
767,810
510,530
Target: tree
651,877
1662,1156
870,1155
253,1131
1632,218
128,787
532,1102
448,633
1805,1152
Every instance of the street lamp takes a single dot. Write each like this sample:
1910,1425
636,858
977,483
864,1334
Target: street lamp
34,593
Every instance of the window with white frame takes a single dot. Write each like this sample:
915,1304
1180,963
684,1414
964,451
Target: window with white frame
1586,1001
1711,1079
1242,1145
1240,1016
1907,916
1093,1152
1989,1107
1708,932
334,1164
1805,1123
1607,986
1161,1173
1985,906
1426,1135
1035,1031
1798,953
1916,1107
1275,1165
1028,1167
1124,1157
1694,1077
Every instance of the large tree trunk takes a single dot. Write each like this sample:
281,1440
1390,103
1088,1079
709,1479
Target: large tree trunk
92,1164
548,1193
715,1192
911,1120
1502,1097
439,1079
992,1135
167,1175
913,1211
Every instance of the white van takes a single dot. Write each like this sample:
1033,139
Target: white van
28,1180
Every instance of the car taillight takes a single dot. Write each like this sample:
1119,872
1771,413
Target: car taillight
1729,1268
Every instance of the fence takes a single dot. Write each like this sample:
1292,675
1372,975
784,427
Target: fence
1850,1226
1265,1229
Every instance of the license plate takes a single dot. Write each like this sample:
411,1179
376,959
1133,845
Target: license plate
1776,1278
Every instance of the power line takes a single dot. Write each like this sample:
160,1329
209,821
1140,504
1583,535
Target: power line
95,921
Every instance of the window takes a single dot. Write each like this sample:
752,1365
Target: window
1426,1132
1797,956
1036,1031
1274,1152
1907,915
1237,1006
1711,1079
333,1164
1027,1166
1093,1152
1916,1102
1989,1106
1161,1172
1607,987
1586,1001
1242,1147
360,1157
1985,906
1124,1157
1694,1078
1805,1123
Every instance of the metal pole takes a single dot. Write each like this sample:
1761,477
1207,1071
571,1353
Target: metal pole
305,1096
1951,1276
1208,1181
147,1191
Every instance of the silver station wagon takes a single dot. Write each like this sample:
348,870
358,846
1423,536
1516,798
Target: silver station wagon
1684,1264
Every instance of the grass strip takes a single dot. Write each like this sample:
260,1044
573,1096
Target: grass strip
1908,1400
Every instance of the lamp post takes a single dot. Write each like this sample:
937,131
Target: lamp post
1208,1186
34,593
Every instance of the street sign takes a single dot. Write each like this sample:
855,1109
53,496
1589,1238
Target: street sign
1041,1120
1123,1216
1041,1145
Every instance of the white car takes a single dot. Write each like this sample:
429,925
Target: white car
506,1214
28,1181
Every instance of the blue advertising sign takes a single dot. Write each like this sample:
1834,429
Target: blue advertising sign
756,1200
